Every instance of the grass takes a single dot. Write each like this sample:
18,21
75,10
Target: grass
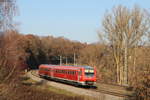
54,90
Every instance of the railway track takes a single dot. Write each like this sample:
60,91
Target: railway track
101,91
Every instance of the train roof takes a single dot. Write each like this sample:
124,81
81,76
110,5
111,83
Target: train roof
86,67
68,66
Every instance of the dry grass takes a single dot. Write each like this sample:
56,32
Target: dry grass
22,92
30,90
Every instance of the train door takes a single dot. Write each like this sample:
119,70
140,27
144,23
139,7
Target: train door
79,74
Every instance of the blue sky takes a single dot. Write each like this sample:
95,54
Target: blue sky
74,19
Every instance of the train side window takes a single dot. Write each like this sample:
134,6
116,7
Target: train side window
72,72
75,72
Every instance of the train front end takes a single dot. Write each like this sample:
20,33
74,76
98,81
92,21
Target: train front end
88,76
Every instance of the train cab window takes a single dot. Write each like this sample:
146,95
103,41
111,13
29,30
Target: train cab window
89,72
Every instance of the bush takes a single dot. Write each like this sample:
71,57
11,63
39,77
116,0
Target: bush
142,87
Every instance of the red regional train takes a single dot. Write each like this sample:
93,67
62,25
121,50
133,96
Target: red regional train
77,75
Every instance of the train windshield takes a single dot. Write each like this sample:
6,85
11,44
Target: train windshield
89,72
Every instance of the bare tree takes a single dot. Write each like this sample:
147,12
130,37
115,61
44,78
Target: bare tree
7,12
123,28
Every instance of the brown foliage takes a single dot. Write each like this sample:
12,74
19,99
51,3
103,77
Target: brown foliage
142,85
11,55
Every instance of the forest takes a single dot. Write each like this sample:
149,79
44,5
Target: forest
122,55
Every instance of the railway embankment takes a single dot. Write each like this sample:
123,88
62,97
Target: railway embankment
101,93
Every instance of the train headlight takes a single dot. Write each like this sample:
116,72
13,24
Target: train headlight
86,71
91,71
